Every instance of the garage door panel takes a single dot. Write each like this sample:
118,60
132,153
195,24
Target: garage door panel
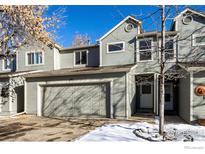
55,100
75,100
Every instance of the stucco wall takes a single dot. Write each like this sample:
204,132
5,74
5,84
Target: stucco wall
118,90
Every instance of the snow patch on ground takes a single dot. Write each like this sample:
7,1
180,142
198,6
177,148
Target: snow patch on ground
125,132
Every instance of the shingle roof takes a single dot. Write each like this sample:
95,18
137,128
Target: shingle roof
9,74
79,48
153,33
80,71
193,66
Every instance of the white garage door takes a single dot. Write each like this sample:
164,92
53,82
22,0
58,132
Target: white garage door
75,100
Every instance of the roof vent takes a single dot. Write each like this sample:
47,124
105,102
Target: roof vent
129,27
187,19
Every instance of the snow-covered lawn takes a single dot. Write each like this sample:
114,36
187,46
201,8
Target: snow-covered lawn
126,132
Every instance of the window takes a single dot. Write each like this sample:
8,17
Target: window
145,50
80,57
8,64
198,40
169,49
115,47
34,58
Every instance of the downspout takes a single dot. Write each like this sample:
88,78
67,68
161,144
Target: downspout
10,97
135,50
100,54
191,97
126,96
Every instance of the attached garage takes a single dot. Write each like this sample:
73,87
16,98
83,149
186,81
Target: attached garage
78,92
75,100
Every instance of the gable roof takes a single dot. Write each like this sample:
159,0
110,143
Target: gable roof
190,10
120,23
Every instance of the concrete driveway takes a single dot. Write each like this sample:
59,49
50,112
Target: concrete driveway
33,128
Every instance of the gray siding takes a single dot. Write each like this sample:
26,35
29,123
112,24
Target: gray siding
198,104
118,35
118,95
184,98
66,60
131,94
31,98
48,58
186,50
67,57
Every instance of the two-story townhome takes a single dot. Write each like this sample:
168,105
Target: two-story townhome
116,78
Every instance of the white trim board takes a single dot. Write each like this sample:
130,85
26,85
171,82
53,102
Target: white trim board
194,40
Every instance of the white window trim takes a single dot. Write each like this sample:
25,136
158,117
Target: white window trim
174,48
26,57
80,65
194,40
138,50
112,43
3,66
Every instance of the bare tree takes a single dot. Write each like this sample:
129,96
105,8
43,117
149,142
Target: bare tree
25,24
81,40
162,73
22,24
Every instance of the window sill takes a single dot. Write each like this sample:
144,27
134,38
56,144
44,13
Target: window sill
6,70
143,61
84,65
198,45
115,51
34,65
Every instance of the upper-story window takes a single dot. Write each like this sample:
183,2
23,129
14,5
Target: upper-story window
115,47
81,57
34,58
8,64
198,39
145,50
169,49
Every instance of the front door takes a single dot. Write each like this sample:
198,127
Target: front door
169,96
146,95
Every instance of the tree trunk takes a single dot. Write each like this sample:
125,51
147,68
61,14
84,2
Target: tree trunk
162,69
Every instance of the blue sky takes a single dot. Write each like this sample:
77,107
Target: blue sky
97,20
